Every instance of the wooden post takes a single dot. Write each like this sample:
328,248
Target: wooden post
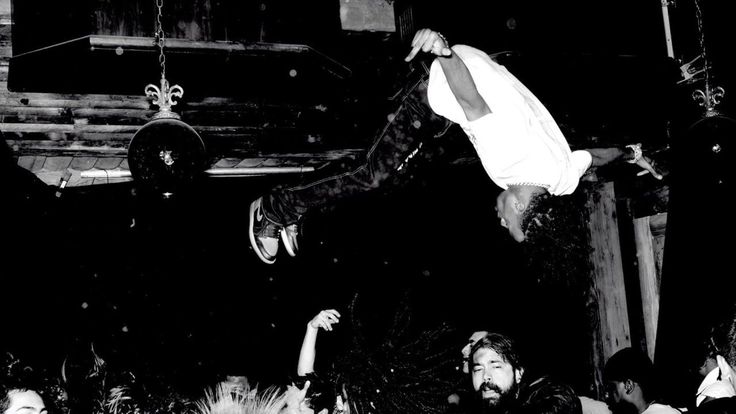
648,253
608,276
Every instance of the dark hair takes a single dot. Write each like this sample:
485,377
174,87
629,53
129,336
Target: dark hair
534,210
631,364
557,245
504,347
548,215
730,350
401,368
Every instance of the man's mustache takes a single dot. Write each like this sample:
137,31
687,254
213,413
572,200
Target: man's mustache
489,386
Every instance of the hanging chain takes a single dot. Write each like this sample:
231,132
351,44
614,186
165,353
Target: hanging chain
160,38
163,96
701,40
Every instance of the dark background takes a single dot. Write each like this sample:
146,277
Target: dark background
181,294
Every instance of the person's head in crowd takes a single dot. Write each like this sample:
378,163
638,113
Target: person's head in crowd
496,370
322,398
319,397
21,401
718,378
629,377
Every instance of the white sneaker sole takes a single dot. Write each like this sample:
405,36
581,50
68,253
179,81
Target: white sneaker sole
288,246
252,235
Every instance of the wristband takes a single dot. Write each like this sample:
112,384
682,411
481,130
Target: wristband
636,148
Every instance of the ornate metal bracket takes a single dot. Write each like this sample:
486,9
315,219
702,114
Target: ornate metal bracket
164,98
709,98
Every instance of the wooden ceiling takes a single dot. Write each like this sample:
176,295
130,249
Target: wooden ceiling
71,104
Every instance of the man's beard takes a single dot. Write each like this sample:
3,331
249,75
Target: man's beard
499,403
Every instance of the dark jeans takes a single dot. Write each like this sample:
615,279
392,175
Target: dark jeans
394,144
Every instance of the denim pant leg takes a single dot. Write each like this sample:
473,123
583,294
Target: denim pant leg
411,123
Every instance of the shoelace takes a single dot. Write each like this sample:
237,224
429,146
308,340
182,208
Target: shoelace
269,230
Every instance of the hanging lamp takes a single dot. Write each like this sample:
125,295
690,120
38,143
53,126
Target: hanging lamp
166,154
713,133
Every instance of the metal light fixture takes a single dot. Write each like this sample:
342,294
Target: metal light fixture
165,154
708,97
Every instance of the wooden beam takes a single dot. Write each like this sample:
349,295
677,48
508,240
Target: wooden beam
174,45
648,280
608,277
55,100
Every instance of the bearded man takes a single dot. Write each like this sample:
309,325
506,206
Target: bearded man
497,373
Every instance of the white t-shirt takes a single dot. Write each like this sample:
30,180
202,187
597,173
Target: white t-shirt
591,406
713,387
518,142
655,408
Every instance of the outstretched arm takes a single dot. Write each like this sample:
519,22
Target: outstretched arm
631,154
325,319
457,74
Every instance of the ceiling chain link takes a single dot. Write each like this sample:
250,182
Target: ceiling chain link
160,38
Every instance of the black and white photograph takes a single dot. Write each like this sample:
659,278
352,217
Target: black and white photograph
367,207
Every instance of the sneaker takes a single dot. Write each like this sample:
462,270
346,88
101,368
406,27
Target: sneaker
263,233
289,236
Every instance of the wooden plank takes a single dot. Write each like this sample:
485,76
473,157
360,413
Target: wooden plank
110,144
83,163
23,110
222,116
28,127
57,163
115,139
78,128
226,162
26,161
108,163
608,270
99,181
25,139
49,177
72,148
283,50
72,101
77,181
119,116
648,281
37,164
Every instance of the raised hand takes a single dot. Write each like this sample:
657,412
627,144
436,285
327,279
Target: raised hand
428,40
296,400
325,319
646,164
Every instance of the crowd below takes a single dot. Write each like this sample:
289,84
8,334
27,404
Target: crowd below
493,372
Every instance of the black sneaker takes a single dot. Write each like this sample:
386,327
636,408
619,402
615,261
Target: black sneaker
289,235
263,233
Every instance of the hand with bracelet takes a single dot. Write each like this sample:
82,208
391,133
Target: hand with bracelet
638,158
429,41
